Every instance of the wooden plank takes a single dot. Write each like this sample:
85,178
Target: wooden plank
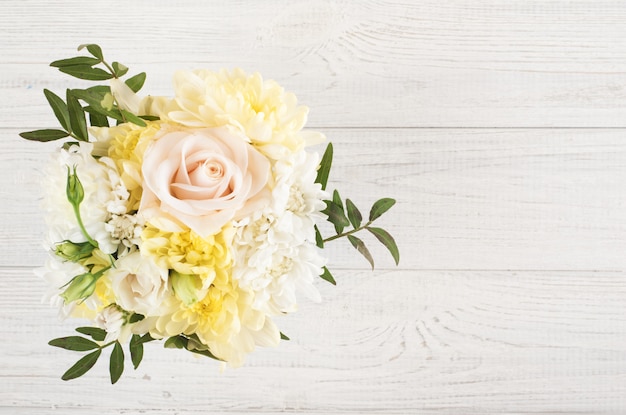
467,198
523,63
393,342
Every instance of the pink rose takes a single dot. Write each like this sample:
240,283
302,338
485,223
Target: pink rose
203,178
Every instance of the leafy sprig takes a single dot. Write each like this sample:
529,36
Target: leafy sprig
94,344
348,220
100,102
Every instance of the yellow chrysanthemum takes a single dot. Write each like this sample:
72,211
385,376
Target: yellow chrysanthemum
267,114
188,252
223,320
127,144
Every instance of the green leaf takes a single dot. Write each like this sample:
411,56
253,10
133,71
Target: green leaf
283,336
44,135
130,117
135,318
99,90
380,207
95,333
386,239
319,241
86,72
354,215
360,246
82,366
92,96
118,69
59,108
136,350
76,343
149,117
336,216
115,114
116,363
136,82
327,276
325,165
94,49
78,60
337,199
98,120
175,342
77,117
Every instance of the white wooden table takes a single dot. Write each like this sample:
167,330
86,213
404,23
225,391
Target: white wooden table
498,125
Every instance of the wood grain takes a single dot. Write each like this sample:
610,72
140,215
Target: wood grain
437,341
499,127
461,63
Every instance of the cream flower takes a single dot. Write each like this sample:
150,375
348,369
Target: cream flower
139,284
267,114
112,320
126,98
203,178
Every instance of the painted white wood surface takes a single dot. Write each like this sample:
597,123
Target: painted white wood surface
498,125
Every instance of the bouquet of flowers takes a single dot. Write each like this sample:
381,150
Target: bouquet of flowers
190,219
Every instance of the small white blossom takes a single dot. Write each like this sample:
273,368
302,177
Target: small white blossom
112,319
126,231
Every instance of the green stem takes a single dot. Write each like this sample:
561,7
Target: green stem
82,226
341,235
109,68
108,344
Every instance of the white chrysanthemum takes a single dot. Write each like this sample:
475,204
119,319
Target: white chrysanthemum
296,196
105,195
57,273
274,254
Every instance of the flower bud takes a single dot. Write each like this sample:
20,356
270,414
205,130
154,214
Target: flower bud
186,286
125,97
74,252
74,189
81,287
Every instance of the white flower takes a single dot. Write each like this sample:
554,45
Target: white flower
126,98
104,195
274,254
297,193
139,284
125,230
58,273
112,320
